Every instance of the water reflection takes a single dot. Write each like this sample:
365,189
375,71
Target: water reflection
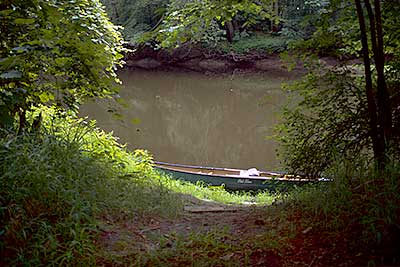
191,118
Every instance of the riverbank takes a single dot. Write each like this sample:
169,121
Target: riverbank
72,196
195,58
199,59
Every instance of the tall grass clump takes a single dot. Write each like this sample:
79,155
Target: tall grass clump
57,183
360,201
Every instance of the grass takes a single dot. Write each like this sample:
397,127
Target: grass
218,194
354,220
214,247
63,188
360,210
56,185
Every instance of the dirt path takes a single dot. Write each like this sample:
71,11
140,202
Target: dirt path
221,225
213,234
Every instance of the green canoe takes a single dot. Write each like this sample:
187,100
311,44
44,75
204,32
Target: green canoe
233,179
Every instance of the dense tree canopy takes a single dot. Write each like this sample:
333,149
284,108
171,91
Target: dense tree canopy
347,111
136,17
173,22
195,20
54,53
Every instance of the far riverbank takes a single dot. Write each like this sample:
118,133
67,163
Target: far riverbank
199,59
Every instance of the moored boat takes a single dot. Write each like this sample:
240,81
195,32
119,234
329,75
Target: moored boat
233,179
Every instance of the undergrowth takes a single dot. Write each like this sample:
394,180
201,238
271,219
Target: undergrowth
59,186
56,184
360,203
256,43
59,183
218,193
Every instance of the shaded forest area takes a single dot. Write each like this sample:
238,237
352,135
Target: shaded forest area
71,195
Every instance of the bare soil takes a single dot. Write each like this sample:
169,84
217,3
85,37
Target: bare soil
243,235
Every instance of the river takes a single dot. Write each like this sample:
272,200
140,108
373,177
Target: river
198,119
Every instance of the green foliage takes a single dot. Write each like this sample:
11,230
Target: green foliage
55,53
190,21
325,115
360,201
256,43
391,22
57,184
330,115
168,24
136,17
46,204
299,16
336,30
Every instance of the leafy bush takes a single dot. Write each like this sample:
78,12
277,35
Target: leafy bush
325,115
55,53
136,17
56,185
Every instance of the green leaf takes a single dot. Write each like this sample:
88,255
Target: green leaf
24,21
46,97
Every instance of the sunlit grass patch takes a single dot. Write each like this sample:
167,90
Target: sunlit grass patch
217,193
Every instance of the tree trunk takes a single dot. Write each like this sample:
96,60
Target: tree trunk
377,139
230,31
22,121
383,99
384,105
275,7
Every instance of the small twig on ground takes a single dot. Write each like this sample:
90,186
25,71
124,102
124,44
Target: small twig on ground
150,229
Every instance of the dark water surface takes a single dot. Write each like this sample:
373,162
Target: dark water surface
192,118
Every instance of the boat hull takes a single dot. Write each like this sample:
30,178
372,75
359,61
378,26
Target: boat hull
232,182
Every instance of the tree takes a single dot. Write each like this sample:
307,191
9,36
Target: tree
192,20
339,112
55,53
326,118
379,111
136,17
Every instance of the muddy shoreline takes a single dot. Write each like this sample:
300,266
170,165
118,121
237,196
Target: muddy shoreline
197,59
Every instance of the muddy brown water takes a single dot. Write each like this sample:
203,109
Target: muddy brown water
193,118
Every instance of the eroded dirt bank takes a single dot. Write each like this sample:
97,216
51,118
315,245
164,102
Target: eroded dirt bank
189,58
